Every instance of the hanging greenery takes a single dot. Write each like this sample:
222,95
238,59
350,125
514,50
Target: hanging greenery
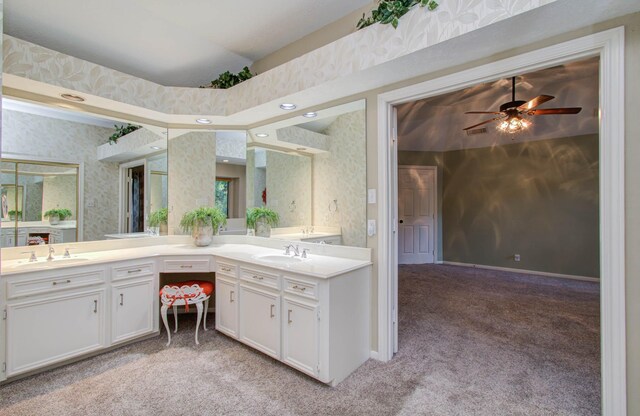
390,12
121,131
228,80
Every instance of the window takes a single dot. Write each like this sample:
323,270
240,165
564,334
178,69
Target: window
222,195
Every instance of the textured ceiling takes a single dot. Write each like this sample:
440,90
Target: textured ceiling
435,124
173,43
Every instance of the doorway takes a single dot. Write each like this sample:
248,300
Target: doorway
133,197
609,46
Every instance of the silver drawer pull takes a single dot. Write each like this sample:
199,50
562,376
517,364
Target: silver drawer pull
121,299
289,316
258,277
186,266
95,306
273,314
225,269
61,282
231,300
300,288
134,271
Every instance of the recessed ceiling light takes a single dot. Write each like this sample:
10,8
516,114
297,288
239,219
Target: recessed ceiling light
301,148
203,121
225,160
288,106
72,97
156,147
262,135
310,114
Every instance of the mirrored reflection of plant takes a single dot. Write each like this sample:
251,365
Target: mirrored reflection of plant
390,12
122,131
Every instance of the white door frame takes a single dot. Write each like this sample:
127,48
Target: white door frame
122,208
609,46
436,227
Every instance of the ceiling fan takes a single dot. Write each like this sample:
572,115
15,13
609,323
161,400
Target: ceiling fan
511,113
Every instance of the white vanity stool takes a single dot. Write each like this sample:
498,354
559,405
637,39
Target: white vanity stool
193,292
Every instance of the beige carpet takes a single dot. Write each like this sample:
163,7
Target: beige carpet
472,342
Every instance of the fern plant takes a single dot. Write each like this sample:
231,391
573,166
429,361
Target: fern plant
158,217
121,131
61,213
390,12
228,80
203,216
262,213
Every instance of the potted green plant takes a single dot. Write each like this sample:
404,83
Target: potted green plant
203,223
158,219
13,214
261,219
56,215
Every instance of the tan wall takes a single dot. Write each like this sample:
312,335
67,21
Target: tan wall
538,199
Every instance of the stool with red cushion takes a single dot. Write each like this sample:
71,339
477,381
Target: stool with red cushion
191,292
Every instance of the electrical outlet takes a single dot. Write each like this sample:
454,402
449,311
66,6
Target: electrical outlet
516,257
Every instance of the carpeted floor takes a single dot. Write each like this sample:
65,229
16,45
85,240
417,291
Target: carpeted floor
472,342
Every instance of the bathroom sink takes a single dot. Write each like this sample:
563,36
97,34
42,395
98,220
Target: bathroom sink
27,263
279,259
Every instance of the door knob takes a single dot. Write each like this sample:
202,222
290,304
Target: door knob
401,221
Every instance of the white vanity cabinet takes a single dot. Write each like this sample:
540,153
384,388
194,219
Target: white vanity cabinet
134,301
54,316
227,298
319,326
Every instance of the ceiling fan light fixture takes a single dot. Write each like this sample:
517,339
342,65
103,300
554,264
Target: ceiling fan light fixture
514,125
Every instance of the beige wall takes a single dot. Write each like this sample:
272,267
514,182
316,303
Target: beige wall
59,191
289,179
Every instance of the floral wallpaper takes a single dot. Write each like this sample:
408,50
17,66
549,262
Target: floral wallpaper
59,191
356,52
192,174
288,180
341,176
33,135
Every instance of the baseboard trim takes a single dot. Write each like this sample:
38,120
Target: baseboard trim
508,269
374,355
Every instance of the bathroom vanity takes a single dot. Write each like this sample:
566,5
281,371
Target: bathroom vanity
312,314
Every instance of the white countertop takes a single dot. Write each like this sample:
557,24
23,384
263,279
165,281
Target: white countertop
320,264
62,225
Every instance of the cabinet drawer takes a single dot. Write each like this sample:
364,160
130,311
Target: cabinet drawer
301,288
260,277
187,265
227,269
52,282
131,270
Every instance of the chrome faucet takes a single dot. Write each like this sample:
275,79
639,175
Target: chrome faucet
33,257
289,247
51,251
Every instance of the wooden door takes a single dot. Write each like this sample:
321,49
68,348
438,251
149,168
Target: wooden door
416,215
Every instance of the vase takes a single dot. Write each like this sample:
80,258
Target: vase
263,229
202,234
54,219
164,229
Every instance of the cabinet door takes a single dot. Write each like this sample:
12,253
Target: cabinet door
227,306
300,335
132,306
260,320
45,331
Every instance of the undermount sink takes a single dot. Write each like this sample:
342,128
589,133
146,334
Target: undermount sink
60,260
279,259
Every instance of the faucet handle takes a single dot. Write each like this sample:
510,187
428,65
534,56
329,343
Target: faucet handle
304,252
33,257
287,249
66,254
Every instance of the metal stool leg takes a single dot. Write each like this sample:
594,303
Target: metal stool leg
175,317
163,312
199,307
206,309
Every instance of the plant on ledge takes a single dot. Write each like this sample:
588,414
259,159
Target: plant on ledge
159,217
390,12
203,223
228,80
261,219
56,215
13,213
122,131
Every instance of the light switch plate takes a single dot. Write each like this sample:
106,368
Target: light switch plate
371,196
371,228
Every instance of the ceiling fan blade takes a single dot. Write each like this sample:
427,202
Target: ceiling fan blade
483,112
484,122
546,111
530,105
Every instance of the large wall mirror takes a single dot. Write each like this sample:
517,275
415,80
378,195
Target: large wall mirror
311,170
57,159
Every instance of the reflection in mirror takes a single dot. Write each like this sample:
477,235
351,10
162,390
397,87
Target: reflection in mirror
313,174
63,160
207,168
